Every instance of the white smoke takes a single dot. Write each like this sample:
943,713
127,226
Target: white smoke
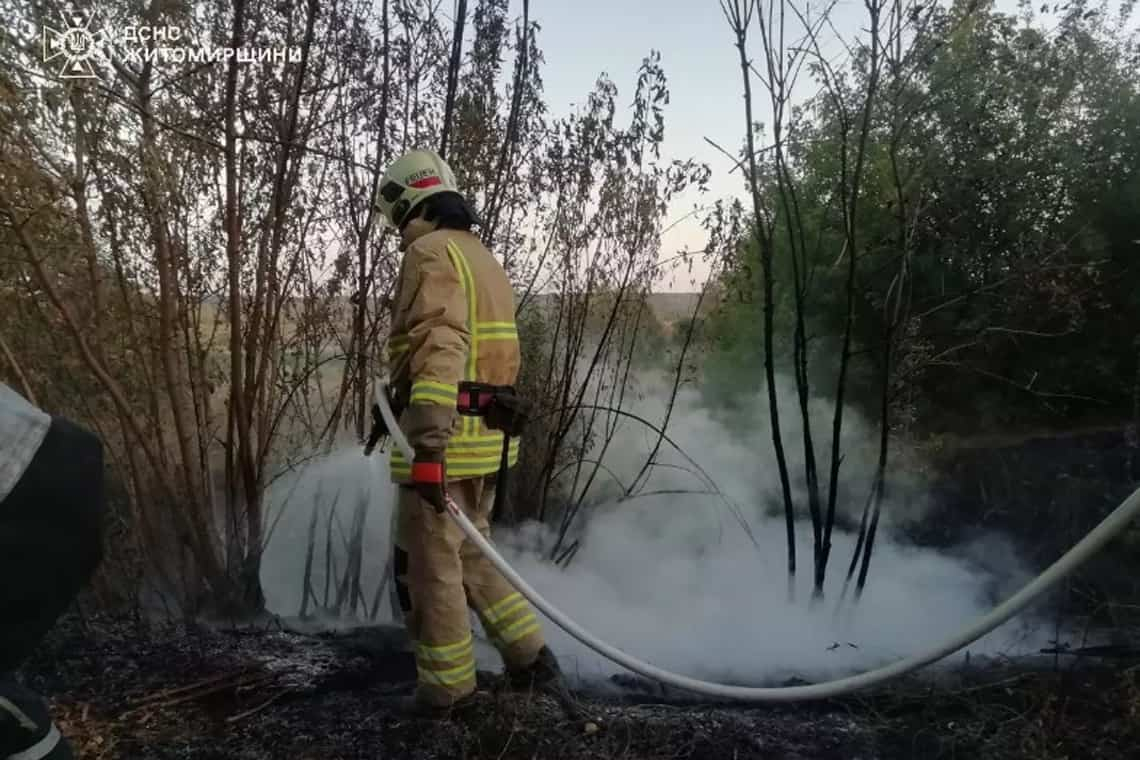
674,578
332,488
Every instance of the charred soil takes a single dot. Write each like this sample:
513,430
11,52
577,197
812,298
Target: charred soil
127,689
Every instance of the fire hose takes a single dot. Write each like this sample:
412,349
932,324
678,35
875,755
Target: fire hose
1109,527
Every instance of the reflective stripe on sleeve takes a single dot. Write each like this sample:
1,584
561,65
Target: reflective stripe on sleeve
497,331
432,392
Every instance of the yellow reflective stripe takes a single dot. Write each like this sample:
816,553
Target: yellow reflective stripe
465,453
472,461
516,631
398,344
461,457
460,262
457,463
432,392
481,443
449,677
525,625
494,617
489,453
469,289
463,469
493,436
497,331
465,457
448,652
456,468
460,469
508,600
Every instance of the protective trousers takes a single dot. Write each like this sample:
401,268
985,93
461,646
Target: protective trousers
439,574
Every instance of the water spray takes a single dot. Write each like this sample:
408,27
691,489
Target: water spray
1111,526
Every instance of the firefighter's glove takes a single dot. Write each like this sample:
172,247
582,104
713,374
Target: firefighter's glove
429,478
509,412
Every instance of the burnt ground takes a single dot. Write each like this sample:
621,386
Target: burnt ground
124,689
121,689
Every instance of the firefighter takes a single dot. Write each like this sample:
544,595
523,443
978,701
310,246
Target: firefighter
453,321
51,476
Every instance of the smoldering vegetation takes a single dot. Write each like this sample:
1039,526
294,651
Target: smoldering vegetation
689,573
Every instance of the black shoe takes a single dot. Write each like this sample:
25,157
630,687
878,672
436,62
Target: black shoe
27,731
543,672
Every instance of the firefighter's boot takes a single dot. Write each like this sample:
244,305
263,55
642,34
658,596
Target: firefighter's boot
543,673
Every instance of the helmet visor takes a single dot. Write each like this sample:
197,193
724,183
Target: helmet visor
390,192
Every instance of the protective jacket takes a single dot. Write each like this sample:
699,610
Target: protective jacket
51,517
22,430
453,320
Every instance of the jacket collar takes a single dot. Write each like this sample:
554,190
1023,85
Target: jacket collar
414,230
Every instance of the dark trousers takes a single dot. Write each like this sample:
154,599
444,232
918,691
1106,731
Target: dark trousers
50,537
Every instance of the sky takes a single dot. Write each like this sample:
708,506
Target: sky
582,38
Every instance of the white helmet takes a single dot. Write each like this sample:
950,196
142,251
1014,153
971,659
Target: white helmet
414,176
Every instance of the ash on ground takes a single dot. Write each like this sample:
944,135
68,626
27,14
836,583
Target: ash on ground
133,689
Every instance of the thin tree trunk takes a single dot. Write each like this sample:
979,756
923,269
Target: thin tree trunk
264,337
740,17
190,490
850,217
79,194
1135,456
453,74
238,446
495,200
881,469
364,281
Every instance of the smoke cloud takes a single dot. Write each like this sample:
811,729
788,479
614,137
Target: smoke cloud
676,578
332,488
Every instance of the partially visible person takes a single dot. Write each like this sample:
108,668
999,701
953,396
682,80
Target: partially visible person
51,512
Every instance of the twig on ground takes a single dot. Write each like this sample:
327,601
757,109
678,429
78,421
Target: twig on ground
259,707
202,689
